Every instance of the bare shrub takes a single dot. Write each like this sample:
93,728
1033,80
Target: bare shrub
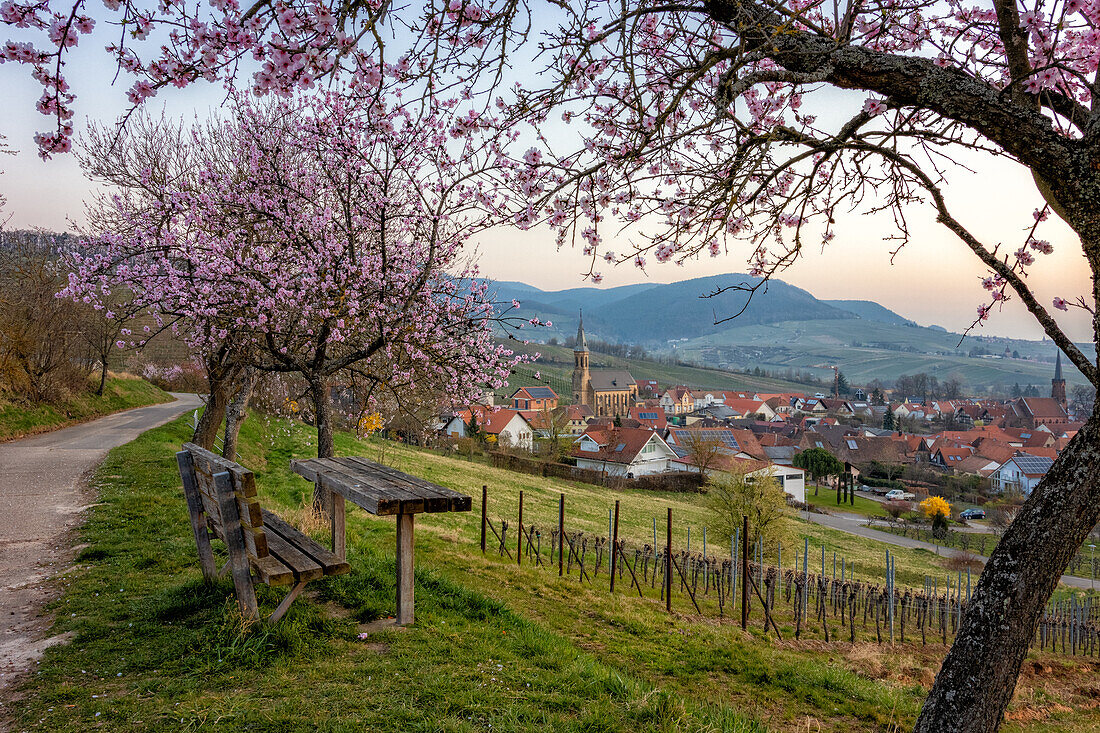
961,561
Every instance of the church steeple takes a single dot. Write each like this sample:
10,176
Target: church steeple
581,376
1058,384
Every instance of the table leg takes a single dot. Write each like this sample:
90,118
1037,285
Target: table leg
404,569
339,536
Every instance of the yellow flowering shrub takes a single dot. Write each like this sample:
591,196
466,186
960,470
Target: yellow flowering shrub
934,505
370,424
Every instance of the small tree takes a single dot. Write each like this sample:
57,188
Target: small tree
938,510
554,422
1001,517
331,246
819,463
703,449
896,508
888,419
734,494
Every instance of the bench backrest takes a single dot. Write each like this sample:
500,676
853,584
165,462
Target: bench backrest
214,491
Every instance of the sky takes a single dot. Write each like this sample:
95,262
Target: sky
935,280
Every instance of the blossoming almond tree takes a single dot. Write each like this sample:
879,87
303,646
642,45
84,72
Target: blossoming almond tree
334,245
701,126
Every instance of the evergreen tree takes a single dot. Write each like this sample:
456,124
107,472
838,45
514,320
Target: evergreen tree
888,420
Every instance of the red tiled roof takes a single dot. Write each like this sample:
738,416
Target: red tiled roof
498,420
1043,407
617,445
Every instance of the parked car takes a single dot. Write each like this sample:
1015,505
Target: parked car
968,514
899,495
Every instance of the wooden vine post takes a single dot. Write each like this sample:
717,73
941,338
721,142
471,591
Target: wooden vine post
561,534
484,514
745,572
615,546
519,540
668,564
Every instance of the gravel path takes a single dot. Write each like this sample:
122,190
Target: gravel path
43,495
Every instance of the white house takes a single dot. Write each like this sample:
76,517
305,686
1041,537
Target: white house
793,480
1022,472
629,452
508,426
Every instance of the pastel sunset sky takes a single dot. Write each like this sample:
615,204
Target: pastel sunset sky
934,280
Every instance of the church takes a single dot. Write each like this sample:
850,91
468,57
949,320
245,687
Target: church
609,392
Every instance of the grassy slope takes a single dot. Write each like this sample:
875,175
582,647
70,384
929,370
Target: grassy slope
120,393
495,646
557,364
816,343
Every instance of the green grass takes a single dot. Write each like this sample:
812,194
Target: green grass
826,499
495,646
806,345
120,393
555,366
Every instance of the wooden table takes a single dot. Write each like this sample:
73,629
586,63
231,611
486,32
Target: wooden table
383,491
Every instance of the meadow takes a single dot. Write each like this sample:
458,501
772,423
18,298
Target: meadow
496,646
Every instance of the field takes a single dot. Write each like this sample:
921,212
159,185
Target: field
556,368
120,393
885,352
495,647
826,499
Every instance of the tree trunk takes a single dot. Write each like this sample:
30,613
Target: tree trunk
978,676
322,418
206,432
235,414
102,378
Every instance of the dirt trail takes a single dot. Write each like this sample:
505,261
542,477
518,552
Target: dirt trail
43,497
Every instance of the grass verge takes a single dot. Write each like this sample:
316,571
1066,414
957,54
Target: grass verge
120,393
495,646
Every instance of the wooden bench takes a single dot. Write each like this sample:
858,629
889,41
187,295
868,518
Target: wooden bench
221,498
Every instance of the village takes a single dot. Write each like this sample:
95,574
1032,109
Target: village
626,428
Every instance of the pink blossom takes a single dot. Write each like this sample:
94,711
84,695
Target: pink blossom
874,106
1061,304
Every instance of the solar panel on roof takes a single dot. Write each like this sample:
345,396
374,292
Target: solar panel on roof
725,437
1033,464
647,415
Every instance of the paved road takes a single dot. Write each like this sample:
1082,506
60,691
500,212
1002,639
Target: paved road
42,498
853,524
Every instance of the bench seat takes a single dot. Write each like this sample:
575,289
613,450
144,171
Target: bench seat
222,502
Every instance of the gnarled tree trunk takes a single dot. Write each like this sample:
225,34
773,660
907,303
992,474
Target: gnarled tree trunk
206,432
235,413
978,676
322,418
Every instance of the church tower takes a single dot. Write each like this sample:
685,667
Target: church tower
580,367
1058,385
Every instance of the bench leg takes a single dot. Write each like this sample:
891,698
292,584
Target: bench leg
198,518
283,607
339,536
404,569
234,542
